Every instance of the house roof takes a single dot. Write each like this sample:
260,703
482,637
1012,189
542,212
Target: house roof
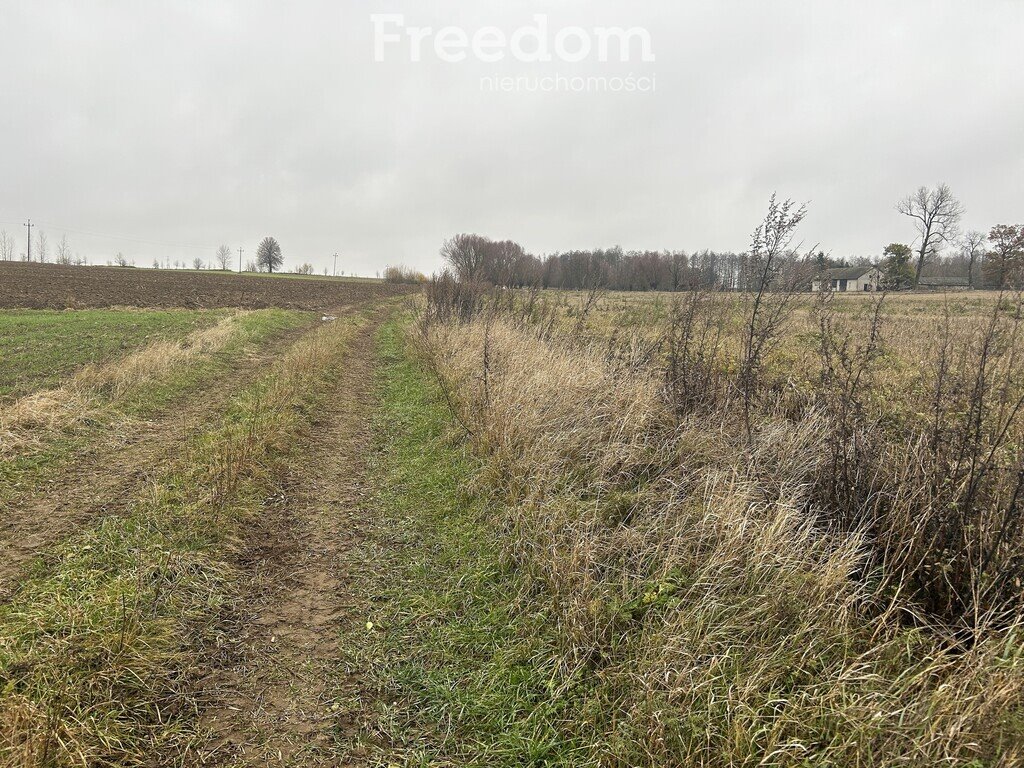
960,282
846,273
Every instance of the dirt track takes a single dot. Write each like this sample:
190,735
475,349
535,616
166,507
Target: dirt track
272,700
52,286
266,698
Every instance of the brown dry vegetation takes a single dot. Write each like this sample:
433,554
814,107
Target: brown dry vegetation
834,582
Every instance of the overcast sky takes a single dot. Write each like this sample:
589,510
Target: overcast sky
200,123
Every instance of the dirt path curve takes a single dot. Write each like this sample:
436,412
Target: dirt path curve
106,477
272,702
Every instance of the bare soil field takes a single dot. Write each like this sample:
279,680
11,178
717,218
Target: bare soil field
52,286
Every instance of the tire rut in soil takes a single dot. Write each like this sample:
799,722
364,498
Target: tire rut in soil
272,694
105,479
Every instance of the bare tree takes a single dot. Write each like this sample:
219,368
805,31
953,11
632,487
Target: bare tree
6,246
268,255
42,247
678,268
197,263
972,247
120,260
63,251
224,257
467,254
500,261
936,215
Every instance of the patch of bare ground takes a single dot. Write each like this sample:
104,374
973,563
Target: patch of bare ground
271,698
105,477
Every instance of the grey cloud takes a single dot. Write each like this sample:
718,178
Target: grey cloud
209,122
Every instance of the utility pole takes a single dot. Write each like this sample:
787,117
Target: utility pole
29,251
239,261
335,265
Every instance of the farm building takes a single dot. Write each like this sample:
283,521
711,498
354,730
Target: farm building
851,279
944,283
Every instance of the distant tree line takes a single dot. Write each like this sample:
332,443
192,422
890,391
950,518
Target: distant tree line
939,250
475,257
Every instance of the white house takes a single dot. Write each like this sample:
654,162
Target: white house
848,279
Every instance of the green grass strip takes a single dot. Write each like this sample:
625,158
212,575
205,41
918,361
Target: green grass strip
464,676
41,347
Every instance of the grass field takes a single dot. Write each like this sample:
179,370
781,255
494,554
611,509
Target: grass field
41,348
109,367
552,529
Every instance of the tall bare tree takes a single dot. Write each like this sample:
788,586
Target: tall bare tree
63,251
223,257
42,247
678,268
936,214
467,254
268,254
6,246
972,247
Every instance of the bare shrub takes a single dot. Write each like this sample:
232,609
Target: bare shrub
774,275
952,515
695,346
449,298
403,274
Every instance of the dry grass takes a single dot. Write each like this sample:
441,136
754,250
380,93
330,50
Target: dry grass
703,595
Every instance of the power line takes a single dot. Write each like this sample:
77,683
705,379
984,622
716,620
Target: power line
28,252
146,241
128,238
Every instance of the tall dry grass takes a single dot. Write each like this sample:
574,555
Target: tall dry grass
712,608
